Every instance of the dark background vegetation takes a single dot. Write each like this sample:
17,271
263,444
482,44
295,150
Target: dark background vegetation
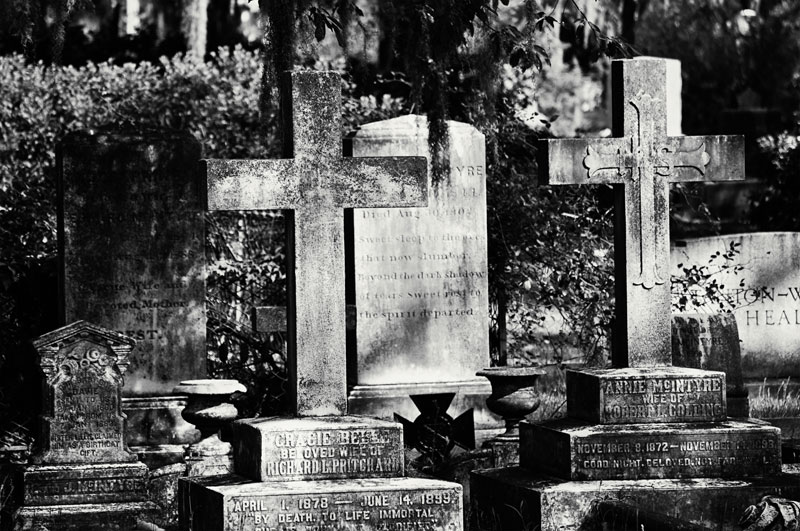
64,65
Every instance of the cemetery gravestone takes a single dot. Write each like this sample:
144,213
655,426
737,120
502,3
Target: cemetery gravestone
763,295
131,240
84,476
642,419
421,281
322,469
711,342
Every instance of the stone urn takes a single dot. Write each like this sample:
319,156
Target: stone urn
514,395
209,410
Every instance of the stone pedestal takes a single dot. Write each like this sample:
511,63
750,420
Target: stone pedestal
576,450
209,410
317,473
633,433
515,499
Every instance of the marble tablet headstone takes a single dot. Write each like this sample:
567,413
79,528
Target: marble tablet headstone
421,281
764,294
131,233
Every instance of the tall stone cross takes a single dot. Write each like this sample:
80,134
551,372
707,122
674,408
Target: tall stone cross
641,161
315,183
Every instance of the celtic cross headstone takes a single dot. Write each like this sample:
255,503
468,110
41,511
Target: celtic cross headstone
641,161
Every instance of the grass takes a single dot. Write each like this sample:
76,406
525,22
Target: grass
781,402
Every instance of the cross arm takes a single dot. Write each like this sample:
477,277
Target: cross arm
373,182
251,184
722,158
564,161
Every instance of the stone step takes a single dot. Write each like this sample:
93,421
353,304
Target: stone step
84,483
310,448
577,450
651,395
515,499
234,503
83,517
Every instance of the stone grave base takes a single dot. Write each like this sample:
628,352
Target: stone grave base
287,449
384,401
83,517
511,499
84,483
630,395
233,503
576,450
156,431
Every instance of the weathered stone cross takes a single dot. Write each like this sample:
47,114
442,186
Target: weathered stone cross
316,183
641,161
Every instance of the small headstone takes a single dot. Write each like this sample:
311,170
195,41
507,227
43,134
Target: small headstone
762,288
711,342
131,233
322,469
83,461
83,420
421,281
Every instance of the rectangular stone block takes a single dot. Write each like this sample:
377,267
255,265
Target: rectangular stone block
83,517
308,448
84,484
577,450
228,503
512,499
629,396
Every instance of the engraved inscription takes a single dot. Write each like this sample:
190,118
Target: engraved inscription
401,510
87,486
421,281
629,400
689,455
332,452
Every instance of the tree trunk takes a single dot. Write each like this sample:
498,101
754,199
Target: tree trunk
629,21
194,26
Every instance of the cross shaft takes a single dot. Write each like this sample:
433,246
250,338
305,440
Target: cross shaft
641,161
315,183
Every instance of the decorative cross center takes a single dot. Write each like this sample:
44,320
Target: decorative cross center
641,161
316,184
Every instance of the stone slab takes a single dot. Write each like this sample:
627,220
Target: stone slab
421,274
131,241
513,499
659,395
576,450
228,503
83,517
82,484
763,295
310,448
